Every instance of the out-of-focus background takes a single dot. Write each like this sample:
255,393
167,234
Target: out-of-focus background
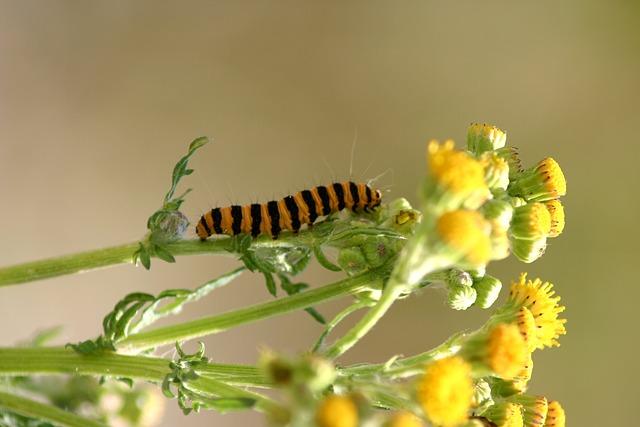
99,99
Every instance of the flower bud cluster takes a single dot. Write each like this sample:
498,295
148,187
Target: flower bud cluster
480,205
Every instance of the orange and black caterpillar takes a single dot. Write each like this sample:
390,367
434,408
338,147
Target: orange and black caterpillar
289,213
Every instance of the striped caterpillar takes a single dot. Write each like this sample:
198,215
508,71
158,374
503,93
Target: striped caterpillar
288,213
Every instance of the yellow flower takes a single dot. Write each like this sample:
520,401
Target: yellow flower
527,326
337,411
543,182
404,419
554,181
446,390
555,415
456,172
505,414
539,298
556,210
467,233
531,221
506,352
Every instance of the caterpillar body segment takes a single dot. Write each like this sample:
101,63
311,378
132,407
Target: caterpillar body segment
288,213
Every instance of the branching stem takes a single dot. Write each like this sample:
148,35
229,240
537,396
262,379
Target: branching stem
222,322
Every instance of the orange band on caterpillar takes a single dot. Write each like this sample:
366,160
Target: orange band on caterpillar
289,213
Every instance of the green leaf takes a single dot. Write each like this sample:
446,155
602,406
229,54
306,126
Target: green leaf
316,315
294,288
228,404
163,254
323,260
180,169
144,257
271,284
171,301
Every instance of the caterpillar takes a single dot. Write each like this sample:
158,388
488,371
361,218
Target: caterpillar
288,213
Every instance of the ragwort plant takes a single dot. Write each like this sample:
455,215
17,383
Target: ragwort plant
477,205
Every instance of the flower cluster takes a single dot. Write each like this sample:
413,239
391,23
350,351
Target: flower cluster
478,205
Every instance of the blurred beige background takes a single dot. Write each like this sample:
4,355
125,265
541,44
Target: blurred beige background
99,99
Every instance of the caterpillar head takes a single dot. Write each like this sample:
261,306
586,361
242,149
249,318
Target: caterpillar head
376,199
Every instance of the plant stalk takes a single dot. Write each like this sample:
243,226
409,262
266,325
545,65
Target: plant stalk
32,409
222,322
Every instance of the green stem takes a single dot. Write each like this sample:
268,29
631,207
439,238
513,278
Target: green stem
67,264
407,366
368,321
32,409
123,254
219,323
59,360
218,388
337,319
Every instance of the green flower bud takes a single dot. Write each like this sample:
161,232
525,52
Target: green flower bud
531,222
478,273
352,260
500,245
543,182
534,409
483,137
377,252
315,372
499,211
488,289
528,250
512,157
277,369
458,277
496,171
461,297
505,414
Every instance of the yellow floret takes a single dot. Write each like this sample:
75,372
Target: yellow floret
506,351
337,411
466,232
539,298
527,326
555,415
556,210
446,390
553,178
455,170
404,419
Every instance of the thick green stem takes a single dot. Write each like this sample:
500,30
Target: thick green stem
32,409
219,323
91,260
59,360
123,254
67,264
